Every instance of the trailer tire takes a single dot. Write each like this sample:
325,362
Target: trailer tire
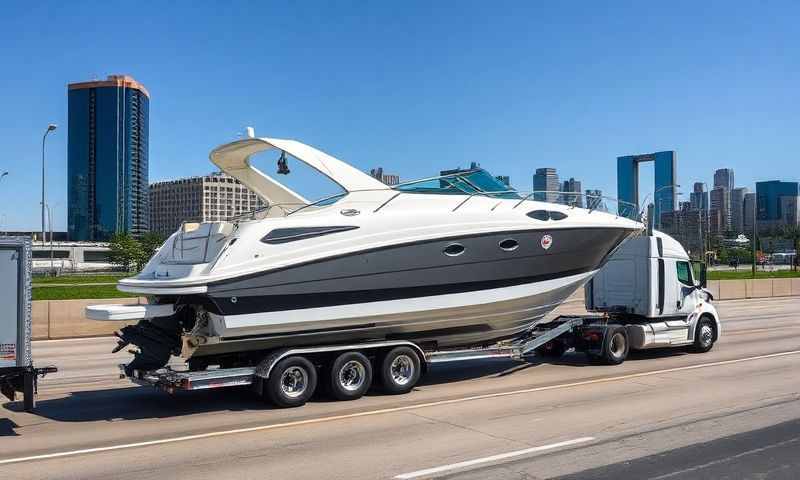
615,345
704,336
291,383
349,376
400,370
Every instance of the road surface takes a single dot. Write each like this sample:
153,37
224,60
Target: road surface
731,413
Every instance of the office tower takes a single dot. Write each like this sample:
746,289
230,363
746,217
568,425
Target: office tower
573,193
721,206
723,177
749,208
737,209
208,198
387,178
546,184
776,204
699,197
107,158
664,194
688,226
504,179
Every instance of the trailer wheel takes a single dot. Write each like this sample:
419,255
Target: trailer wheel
350,376
615,346
292,382
704,336
400,370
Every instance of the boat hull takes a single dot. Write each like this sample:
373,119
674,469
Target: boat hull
411,291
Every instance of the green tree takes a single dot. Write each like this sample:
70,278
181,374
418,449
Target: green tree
792,232
150,242
125,251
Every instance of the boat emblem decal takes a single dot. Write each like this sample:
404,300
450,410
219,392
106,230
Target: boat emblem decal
349,212
547,242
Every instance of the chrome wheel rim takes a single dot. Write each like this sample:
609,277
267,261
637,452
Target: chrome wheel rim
402,369
617,346
294,381
706,335
352,375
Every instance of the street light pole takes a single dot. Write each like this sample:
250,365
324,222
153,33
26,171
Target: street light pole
50,128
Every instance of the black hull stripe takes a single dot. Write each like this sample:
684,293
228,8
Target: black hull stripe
275,303
220,285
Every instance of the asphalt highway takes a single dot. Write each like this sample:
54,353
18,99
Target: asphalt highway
733,412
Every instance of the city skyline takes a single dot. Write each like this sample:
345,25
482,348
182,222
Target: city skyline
707,111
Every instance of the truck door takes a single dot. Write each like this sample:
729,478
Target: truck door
687,293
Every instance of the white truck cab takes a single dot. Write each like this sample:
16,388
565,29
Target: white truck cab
649,286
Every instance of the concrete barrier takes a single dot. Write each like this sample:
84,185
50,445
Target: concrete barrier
56,319
781,287
795,286
732,289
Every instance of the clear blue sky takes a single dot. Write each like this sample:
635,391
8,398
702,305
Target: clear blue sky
416,86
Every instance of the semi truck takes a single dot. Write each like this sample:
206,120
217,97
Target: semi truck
645,296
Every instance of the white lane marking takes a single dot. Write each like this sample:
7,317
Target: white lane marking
493,458
389,410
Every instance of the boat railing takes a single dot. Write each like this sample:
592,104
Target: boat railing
589,201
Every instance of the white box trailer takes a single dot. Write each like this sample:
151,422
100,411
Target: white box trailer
17,373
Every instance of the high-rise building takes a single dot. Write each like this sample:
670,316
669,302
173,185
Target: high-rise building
387,178
107,158
737,209
664,194
546,185
504,179
594,200
775,204
688,226
573,194
721,204
699,197
723,177
209,198
749,208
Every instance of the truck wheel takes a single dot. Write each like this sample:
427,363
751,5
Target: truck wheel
400,370
350,376
552,349
292,382
704,336
615,345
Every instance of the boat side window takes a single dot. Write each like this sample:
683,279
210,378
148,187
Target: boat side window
454,250
557,215
684,273
539,215
285,235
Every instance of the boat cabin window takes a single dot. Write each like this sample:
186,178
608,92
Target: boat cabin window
469,182
285,235
545,215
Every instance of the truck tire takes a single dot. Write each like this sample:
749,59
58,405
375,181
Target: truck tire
704,336
400,370
291,383
615,345
349,376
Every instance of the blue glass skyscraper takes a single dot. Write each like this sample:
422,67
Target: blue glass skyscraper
664,194
107,158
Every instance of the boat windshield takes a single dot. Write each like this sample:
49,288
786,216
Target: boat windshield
470,182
